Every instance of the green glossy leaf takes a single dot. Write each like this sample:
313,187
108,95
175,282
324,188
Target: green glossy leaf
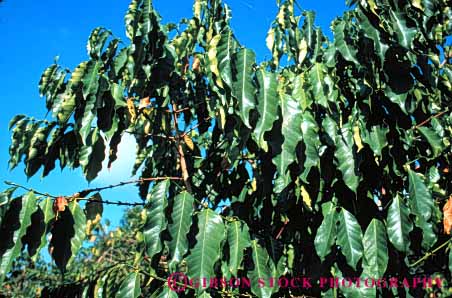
300,91
375,260
317,76
51,84
429,237
179,227
130,286
206,252
376,139
267,105
156,203
132,18
263,268
117,92
225,50
65,106
374,34
354,291
421,201
243,88
291,130
404,34
167,293
96,42
350,237
345,157
347,51
326,233
311,139
238,239
399,225
18,219
433,139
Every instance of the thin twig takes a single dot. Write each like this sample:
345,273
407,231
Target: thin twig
195,127
85,192
30,189
430,118
429,254
108,202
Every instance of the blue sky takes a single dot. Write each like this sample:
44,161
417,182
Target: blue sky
34,32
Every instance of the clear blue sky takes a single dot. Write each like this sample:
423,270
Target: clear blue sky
34,32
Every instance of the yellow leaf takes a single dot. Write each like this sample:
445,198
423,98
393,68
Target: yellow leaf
417,4
189,142
131,109
357,137
306,197
197,9
212,54
196,64
303,47
254,185
270,40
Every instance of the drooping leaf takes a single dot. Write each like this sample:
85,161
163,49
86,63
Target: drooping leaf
156,204
300,91
291,130
421,201
68,101
376,139
345,157
433,139
243,88
167,293
399,225
79,228
179,227
267,105
13,228
317,81
375,259
225,51
130,286
206,252
132,18
96,42
238,239
312,143
404,34
341,44
429,236
46,207
92,155
350,237
326,233
263,267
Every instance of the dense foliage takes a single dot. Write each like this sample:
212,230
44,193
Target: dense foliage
331,159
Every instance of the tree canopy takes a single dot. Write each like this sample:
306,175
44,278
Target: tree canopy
331,159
